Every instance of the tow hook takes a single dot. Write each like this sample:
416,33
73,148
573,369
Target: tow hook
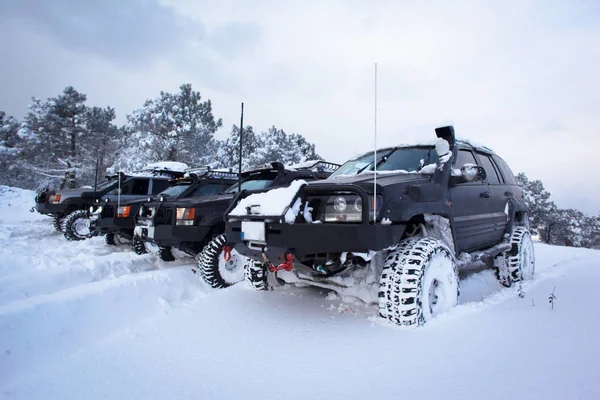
227,252
288,262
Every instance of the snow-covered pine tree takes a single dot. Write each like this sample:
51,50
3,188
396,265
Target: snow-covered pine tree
12,168
229,150
541,208
276,145
171,127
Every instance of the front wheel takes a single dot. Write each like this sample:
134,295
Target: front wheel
57,223
138,246
76,226
419,281
215,269
165,253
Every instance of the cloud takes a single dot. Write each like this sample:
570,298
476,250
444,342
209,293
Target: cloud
518,76
126,32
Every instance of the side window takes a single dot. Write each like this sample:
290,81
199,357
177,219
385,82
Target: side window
509,177
125,187
158,185
464,157
140,186
490,171
211,189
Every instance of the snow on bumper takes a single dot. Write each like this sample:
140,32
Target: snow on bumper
273,203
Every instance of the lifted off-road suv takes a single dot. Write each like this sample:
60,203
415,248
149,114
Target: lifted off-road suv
392,232
115,218
195,225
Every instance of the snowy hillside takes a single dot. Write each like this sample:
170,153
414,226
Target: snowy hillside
86,321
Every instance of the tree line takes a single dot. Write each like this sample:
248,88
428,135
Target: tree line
554,225
63,135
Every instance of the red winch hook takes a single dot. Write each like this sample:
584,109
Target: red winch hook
287,264
227,252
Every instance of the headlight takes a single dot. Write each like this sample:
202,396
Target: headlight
123,211
340,204
54,199
91,209
349,208
185,216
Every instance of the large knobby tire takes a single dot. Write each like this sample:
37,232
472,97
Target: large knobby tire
138,246
57,223
109,239
418,282
76,226
165,253
256,275
215,270
114,239
518,263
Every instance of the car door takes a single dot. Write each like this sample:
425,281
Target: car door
497,199
471,209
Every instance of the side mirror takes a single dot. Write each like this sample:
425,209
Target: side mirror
472,173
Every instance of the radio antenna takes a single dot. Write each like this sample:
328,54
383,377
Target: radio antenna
240,159
375,155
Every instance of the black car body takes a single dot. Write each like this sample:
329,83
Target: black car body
479,212
118,217
189,223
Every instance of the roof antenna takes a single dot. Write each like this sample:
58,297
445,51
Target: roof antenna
375,155
240,160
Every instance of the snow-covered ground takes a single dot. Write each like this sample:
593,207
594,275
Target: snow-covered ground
86,321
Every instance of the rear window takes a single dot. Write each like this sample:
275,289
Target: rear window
490,171
508,175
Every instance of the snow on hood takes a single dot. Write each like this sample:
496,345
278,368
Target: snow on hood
271,203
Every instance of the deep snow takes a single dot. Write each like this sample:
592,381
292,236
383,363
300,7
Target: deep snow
86,321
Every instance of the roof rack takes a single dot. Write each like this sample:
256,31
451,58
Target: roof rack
317,166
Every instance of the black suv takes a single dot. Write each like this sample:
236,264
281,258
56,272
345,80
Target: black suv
60,204
391,228
195,225
117,220
78,224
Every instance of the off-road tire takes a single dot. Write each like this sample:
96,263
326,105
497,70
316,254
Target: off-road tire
518,263
214,269
71,223
165,253
57,223
410,272
109,239
138,246
256,275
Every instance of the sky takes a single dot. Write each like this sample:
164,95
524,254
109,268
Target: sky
519,76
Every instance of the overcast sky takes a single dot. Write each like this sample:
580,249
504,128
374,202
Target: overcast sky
522,77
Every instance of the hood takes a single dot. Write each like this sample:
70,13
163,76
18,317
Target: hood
200,201
366,180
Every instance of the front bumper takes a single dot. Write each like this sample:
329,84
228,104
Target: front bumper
170,235
315,239
50,209
109,225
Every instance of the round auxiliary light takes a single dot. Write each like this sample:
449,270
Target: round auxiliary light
339,204
358,204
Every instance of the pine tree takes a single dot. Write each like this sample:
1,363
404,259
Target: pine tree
541,208
172,127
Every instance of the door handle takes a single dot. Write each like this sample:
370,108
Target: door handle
508,194
486,195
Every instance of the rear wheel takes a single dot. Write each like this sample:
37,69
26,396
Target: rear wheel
76,226
419,281
138,246
518,263
165,253
215,270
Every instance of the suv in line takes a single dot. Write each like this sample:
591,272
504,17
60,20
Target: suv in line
390,228
195,225
116,220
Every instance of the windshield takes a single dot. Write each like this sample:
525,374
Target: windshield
359,164
176,190
410,159
105,184
257,181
